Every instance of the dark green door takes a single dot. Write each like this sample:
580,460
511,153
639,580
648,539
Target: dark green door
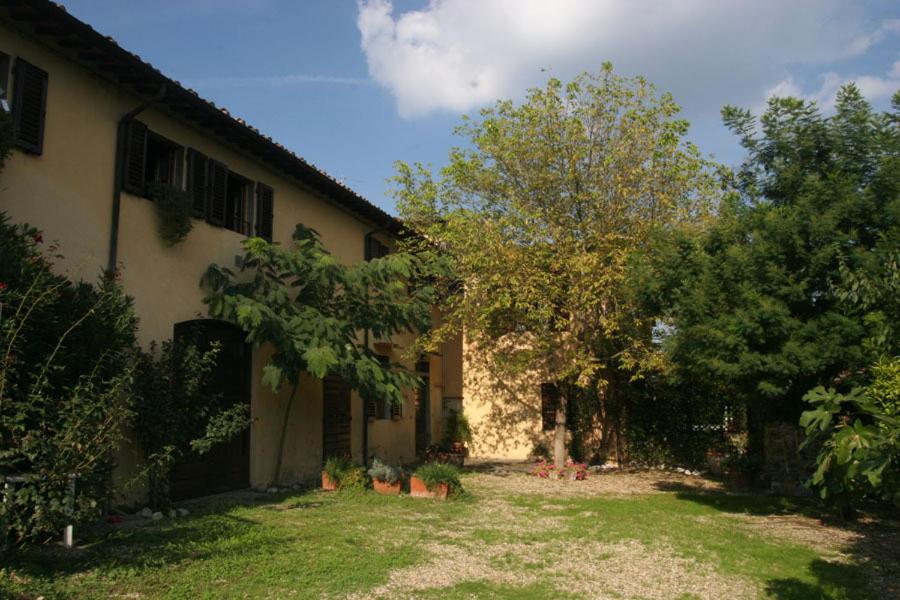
423,410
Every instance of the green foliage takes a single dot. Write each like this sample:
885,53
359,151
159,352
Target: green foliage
779,295
884,389
65,374
537,217
436,473
354,479
456,429
382,471
175,209
311,308
345,474
860,447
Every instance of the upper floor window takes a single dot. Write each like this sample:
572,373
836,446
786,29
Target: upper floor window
29,106
226,199
150,158
376,249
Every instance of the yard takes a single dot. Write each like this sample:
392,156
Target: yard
617,535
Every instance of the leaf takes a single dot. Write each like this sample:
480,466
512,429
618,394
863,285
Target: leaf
272,376
320,360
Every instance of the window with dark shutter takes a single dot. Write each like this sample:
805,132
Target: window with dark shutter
265,211
377,249
217,197
29,106
198,164
135,157
396,410
549,404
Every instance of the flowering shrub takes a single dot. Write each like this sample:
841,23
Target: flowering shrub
572,470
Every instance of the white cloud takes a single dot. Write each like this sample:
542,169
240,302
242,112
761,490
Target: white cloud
873,87
455,55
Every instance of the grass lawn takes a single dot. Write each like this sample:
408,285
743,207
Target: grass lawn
618,535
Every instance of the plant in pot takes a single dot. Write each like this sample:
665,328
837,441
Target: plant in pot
453,445
435,480
386,479
339,473
739,469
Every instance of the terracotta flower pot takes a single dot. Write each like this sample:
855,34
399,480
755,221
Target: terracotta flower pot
418,489
327,484
383,487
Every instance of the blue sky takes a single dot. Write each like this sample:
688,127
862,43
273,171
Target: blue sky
353,86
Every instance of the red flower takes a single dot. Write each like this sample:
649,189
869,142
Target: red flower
38,238
3,286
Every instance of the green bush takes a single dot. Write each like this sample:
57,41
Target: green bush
434,474
382,471
859,452
66,366
175,208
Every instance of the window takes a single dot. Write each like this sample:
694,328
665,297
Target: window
378,407
264,211
150,158
29,106
238,199
549,404
164,160
4,81
376,249
226,198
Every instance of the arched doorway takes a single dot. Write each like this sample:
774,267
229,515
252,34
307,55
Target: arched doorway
227,465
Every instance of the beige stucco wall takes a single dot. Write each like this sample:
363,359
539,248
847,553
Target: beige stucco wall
67,192
504,412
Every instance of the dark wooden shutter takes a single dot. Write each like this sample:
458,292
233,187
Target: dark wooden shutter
335,417
377,249
198,164
29,106
396,410
549,403
135,158
265,211
217,198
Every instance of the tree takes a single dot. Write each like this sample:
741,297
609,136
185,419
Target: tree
537,218
758,301
312,309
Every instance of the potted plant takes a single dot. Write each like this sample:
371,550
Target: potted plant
386,479
453,446
333,472
435,480
738,470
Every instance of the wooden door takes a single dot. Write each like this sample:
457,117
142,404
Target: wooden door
335,417
226,466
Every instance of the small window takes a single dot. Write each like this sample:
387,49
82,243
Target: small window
549,404
150,158
379,407
29,106
164,160
4,81
238,200
376,249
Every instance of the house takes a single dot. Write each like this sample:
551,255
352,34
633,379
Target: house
95,125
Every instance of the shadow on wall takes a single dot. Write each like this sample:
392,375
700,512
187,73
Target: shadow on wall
504,412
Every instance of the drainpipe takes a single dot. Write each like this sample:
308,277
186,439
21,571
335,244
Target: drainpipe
119,176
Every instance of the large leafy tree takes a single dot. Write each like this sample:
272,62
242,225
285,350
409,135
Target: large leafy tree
763,301
312,309
537,217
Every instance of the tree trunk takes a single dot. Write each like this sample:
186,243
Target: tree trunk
559,435
284,424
